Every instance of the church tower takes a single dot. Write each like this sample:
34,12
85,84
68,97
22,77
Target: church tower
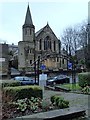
28,27
26,46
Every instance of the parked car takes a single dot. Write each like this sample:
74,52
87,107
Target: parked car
24,80
60,79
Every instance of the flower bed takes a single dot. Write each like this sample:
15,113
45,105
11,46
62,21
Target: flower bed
34,105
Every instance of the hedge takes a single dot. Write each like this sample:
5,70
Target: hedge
84,79
21,92
9,83
59,101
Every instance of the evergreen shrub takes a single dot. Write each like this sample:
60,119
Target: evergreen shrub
84,79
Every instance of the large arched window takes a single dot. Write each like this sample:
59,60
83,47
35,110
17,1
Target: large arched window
47,43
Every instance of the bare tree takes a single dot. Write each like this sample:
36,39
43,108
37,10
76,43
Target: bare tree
70,40
83,35
83,40
74,39
88,48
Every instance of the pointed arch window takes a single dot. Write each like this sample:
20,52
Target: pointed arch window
30,51
30,61
54,45
57,59
60,62
59,47
47,43
30,31
63,61
25,31
40,44
50,45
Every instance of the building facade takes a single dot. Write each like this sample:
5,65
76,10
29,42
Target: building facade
4,59
38,45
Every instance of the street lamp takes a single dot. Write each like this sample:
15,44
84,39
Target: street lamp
38,68
34,56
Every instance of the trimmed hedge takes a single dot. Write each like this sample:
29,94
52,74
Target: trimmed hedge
21,92
84,79
9,83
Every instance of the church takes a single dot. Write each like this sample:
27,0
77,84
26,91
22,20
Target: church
42,45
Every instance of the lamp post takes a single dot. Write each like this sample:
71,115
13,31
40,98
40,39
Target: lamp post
35,58
35,70
38,68
35,65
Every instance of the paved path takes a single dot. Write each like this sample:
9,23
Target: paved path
76,100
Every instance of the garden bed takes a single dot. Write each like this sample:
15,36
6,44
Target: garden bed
9,111
22,107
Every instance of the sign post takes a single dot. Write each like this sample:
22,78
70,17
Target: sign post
43,67
42,78
70,66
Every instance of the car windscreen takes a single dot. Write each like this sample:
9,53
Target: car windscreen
18,78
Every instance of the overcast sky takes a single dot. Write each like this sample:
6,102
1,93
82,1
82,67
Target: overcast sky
59,15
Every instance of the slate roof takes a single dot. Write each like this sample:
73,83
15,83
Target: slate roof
38,32
28,19
41,30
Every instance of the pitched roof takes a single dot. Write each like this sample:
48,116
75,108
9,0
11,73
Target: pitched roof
38,32
28,19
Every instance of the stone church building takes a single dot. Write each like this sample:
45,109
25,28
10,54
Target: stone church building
42,45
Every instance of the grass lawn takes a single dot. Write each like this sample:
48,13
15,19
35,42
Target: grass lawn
71,86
